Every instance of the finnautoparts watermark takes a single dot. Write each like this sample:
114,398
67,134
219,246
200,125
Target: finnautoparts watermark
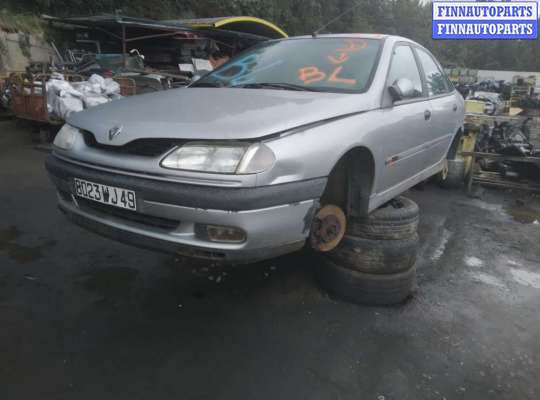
485,20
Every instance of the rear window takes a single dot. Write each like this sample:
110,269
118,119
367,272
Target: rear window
325,64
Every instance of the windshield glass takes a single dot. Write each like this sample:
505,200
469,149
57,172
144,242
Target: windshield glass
322,64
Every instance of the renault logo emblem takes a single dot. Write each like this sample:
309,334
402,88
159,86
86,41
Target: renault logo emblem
115,131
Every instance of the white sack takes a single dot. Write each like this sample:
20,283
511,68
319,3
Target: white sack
110,87
56,86
97,80
92,101
87,88
64,106
64,97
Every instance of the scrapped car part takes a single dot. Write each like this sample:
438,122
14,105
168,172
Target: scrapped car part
508,139
453,174
493,102
364,288
397,219
376,256
328,228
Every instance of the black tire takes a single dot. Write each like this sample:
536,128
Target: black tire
379,257
455,176
397,219
367,289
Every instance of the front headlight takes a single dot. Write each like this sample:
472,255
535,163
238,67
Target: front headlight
234,158
65,138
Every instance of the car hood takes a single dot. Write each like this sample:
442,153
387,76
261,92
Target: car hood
214,113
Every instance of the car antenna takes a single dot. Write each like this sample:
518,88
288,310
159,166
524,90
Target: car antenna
315,33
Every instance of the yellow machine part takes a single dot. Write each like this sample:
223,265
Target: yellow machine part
467,144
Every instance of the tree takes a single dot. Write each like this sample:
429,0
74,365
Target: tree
409,18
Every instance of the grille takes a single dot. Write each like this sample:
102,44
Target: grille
132,216
138,147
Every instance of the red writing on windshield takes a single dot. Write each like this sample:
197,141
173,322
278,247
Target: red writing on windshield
313,74
342,54
310,75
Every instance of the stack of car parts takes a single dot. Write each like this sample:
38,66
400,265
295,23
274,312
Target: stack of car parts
375,262
512,140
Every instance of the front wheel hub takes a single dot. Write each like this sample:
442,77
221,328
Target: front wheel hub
328,228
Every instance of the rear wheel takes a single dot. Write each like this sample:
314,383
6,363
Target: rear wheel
453,174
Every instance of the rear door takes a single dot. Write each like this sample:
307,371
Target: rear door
444,107
407,124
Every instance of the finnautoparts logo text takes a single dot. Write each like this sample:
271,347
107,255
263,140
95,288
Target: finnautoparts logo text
485,20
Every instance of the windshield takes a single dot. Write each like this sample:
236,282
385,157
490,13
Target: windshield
319,64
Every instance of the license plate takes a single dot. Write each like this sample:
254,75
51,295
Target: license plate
113,196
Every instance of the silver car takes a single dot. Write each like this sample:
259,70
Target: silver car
236,166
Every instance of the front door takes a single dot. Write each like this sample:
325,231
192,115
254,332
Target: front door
407,124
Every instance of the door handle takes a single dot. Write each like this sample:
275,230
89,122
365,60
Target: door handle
454,107
427,115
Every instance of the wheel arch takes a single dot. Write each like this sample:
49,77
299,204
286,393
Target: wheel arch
351,180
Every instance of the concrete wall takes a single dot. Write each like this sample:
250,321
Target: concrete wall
12,57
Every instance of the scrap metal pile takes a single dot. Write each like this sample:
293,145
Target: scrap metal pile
498,95
492,86
157,55
508,139
115,55
490,92
52,97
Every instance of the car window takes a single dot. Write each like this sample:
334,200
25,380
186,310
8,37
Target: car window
435,79
319,64
403,65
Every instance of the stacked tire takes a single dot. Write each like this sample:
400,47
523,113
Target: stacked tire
375,262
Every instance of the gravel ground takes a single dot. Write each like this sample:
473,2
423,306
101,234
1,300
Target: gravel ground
82,317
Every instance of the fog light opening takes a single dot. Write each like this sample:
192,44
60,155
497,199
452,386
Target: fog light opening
222,234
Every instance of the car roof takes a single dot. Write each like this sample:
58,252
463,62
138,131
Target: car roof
379,36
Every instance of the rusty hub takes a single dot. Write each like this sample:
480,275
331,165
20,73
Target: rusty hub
328,228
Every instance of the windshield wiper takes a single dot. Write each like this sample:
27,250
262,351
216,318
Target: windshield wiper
277,85
208,84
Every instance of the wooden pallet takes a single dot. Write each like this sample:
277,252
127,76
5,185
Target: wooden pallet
495,179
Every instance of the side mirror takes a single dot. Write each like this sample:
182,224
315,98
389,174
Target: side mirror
401,89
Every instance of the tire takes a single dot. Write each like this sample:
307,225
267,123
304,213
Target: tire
363,288
455,174
378,257
396,220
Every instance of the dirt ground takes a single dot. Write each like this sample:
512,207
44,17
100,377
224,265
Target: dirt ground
82,317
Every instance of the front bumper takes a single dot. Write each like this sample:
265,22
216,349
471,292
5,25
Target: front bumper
276,218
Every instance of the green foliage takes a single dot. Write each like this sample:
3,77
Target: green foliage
27,23
409,18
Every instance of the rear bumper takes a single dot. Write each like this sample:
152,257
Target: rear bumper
276,219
